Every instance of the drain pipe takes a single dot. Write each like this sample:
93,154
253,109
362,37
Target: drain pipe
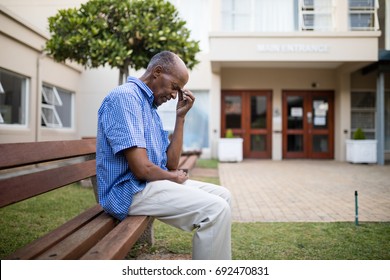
356,209
38,97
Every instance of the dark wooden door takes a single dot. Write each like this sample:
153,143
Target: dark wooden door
308,124
248,113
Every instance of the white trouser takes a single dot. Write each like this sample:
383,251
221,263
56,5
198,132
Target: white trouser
195,205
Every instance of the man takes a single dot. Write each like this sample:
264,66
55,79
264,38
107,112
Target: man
137,164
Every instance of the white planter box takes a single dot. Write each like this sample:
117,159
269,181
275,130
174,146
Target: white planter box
361,151
230,149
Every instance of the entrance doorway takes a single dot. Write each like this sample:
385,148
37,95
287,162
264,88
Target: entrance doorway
308,124
247,113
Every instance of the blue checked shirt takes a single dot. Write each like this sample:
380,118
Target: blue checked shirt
127,118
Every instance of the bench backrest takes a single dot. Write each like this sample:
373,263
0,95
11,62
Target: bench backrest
30,169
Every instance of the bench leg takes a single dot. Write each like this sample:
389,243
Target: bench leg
148,236
94,185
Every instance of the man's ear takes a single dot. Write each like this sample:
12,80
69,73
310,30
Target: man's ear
157,71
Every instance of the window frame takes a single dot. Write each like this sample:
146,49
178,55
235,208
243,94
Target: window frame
45,118
364,10
306,10
25,101
54,99
50,103
370,110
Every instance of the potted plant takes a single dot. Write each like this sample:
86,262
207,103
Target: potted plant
360,149
230,148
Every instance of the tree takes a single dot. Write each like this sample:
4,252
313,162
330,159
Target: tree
120,33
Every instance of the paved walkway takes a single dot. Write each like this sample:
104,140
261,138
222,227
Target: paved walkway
306,190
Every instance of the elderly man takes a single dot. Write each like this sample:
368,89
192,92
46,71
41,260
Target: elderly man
137,165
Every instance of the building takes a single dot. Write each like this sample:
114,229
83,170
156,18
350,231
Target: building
293,78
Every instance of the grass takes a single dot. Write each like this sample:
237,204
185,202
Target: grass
40,215
207,163
272,241
290,241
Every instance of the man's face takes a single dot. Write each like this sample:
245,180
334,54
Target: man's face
167,87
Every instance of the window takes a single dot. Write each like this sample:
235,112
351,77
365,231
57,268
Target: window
196,129
236,16
363,15
363,113
13,98
57,107
315,15
197,15
259,15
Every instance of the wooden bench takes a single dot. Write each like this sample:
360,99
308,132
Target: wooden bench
188,160
31,169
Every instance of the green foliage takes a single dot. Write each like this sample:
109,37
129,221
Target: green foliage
229,133
359,134
119,33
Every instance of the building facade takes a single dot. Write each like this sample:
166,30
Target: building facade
37,95
292,78
295,79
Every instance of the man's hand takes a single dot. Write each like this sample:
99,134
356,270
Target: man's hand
145,170
186,100
181,176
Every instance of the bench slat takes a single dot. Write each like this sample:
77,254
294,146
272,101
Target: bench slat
41,244
18,154
182,160
76,244
189,163
18,188
118,242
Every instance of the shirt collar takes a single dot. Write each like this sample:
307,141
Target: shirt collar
144,88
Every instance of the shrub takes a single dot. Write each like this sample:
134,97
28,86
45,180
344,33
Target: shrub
229,133
359,134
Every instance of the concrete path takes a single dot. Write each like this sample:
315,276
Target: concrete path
306,190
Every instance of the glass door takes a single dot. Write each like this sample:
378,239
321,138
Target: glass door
247,114
294,126
258,127
308,124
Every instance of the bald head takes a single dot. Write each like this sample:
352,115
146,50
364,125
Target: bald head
171,64
165,75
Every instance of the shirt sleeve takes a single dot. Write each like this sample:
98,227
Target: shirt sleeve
123,119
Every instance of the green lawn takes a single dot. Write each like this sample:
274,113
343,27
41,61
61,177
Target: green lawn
290,241
273,241
40,214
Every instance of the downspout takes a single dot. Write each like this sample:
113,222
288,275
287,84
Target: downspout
380,118
38,97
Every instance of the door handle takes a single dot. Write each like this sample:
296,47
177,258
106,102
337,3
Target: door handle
309,116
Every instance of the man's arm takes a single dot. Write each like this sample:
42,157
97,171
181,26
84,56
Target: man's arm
184,104
145,170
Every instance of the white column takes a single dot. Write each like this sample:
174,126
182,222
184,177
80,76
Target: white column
380,118
342,114
215,113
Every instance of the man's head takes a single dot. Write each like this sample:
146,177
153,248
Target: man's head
165,75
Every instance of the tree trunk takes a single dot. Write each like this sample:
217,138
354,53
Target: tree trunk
123,74
120,79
